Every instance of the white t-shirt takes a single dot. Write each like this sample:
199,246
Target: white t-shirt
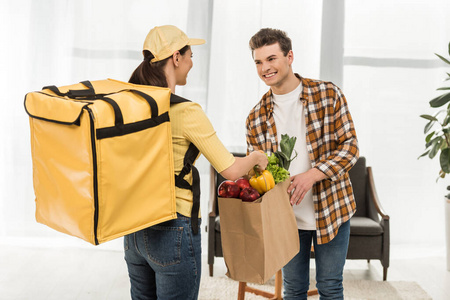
289,118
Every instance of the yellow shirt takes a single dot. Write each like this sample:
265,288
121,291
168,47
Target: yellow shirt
190,124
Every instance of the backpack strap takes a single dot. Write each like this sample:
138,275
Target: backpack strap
90,92
189,159
174,99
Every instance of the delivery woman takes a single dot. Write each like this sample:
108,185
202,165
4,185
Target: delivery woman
164,261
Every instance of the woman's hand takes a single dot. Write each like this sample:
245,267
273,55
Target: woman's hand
242,165
260,159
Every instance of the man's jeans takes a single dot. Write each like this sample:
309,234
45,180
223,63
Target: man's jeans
164,261
330,260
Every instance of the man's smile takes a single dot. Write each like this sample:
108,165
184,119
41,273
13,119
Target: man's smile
269,75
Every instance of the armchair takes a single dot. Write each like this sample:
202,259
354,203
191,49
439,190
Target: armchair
369,227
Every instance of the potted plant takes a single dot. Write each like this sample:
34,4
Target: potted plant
437,141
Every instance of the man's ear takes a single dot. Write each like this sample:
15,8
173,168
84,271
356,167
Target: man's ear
290,56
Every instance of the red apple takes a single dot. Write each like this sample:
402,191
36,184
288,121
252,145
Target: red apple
249,194
242,183
233,191
228,189
221,190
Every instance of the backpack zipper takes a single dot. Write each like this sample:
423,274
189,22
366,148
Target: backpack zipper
94,162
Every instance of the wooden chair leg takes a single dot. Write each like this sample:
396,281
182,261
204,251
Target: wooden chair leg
244,288
211,270
241,291
384,274
278,285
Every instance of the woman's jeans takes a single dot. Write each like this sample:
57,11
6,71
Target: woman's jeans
164,261
330,260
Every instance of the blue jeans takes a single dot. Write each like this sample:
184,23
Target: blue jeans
330,260
164,261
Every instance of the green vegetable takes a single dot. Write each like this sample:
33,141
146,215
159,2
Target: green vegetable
286,146
279,161
279,174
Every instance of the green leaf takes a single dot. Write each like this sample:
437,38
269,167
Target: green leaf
428,117
286,146
435,147
424,154
444,142
441,175
448,48
282,159
273,160
446,120
443,88
444,160
440,100
433,141
428,138
443,58
428,126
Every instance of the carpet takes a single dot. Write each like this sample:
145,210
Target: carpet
221,288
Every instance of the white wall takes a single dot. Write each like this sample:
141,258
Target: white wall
389,73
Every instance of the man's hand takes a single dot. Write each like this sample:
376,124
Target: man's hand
302,183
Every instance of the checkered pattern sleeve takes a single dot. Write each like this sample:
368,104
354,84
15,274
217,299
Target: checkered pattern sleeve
342,137
260,127
252,132
331,138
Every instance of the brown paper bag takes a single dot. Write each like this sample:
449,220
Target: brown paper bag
258,238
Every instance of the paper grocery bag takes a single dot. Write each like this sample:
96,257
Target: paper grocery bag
258,238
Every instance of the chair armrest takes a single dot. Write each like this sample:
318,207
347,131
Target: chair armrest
386,243
212,206
374,195
212,219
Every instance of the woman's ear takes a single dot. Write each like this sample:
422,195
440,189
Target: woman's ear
175,58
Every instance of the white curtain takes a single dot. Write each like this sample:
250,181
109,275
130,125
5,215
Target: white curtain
390,74
62,42
233,86
380,53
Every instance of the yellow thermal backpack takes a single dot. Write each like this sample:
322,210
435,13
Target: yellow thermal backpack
102,158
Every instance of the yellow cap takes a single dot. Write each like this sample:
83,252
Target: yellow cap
163,41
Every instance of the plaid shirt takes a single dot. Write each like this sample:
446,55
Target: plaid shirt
331,143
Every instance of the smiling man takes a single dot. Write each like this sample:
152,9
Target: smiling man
315,112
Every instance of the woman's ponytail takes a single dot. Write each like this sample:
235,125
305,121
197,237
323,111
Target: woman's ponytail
150,73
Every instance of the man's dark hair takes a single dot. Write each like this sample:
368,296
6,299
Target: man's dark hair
269,36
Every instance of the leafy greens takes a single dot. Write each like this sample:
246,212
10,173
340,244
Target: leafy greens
280,161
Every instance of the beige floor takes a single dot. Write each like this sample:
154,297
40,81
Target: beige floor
31,271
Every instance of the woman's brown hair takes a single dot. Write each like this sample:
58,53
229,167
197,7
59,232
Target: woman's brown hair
152,73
